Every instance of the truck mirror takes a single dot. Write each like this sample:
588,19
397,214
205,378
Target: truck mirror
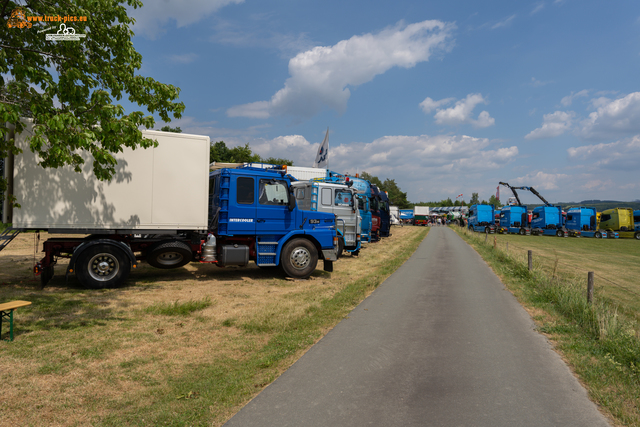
291,199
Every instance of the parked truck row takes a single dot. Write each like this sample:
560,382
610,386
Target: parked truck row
167,206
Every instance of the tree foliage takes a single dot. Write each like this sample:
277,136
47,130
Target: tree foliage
71,89
475,200
396,196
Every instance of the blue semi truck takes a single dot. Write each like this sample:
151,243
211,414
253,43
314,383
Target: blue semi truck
585,221
383,211
549,221
481,218
514,220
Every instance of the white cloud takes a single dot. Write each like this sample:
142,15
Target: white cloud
541,181
504,23
568,100
612,118
460,113
320,77
538,83
428,105
185,58
537,8
154,15
623,155
553,125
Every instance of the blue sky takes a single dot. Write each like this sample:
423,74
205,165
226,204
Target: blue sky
446,98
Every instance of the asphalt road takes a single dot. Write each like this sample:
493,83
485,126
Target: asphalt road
439,343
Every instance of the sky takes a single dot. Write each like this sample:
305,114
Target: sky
444,97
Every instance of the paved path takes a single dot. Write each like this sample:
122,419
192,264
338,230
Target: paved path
439,343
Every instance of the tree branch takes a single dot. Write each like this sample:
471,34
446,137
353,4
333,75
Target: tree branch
33,50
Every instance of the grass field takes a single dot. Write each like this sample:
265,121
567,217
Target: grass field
181,347
615,262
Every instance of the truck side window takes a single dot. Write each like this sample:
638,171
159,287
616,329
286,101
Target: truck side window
273,192
245,191
604,218
326,197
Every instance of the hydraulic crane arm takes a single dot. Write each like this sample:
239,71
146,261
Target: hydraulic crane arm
533,190
513,190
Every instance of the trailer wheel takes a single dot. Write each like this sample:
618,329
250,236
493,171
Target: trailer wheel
299,258
597,235
168,255
102,266
522,232
45,276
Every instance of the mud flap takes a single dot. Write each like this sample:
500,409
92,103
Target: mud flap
328,266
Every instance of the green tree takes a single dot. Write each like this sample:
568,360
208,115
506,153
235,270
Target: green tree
277,161
495,202
396,196
71,88
372,179
474,199
170,129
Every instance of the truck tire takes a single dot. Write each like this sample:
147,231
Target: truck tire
597,235
299,258
522,232
340,246
168,255
486,230
637,235
102,266
559,233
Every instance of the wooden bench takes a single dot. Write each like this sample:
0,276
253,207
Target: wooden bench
6,310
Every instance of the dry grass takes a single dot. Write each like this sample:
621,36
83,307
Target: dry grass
100,358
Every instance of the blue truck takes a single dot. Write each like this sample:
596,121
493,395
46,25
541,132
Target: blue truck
383,210
549,221
514,220
363,195
481,218
585,221
636,220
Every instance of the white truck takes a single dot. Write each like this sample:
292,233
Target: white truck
421,215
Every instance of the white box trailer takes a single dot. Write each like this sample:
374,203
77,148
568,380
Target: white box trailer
305,174
158,189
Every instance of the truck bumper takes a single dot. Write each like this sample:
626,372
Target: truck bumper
329,254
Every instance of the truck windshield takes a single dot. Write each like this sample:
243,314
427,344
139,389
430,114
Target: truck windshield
273,192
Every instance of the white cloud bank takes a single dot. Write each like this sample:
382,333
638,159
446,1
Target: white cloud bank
553,125
612,119
623,155
154,15
320,77
460,113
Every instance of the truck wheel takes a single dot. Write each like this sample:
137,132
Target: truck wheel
486,230
299,258
167,255
102,266
340,246
559,233
637,235
522,232
597,235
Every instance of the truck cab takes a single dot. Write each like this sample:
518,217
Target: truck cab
548,221
253,216
383,210
514,219
335,197
585,221
481,218
620,221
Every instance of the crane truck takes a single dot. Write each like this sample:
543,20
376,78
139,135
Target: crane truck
165,207
514,219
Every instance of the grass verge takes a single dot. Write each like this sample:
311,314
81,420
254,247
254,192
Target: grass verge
182,347
600,343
